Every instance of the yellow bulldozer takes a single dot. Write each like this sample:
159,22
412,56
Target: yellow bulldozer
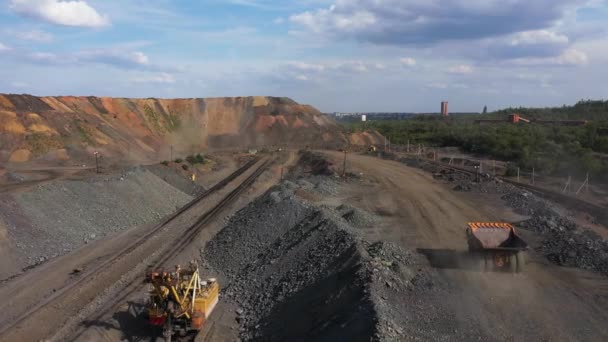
180,302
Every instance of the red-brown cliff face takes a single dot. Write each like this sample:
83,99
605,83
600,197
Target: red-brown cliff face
67,127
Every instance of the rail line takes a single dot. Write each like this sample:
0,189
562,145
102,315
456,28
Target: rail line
599,212
127,250
191,232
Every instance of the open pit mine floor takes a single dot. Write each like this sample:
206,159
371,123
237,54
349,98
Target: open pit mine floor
58,298
378,256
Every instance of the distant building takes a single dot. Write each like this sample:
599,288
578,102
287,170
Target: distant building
363,117
444,109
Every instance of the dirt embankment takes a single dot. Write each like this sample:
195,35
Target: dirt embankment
54,218
67,128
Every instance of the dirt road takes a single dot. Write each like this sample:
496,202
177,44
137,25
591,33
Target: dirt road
545,302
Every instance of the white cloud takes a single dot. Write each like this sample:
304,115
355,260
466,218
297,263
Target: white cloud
437,86
402,22
116,57
20,84
306,66
570,57
279,20
59,12
4,47
47,57
461,69
139,57
409,62
162,77
35,35
538,37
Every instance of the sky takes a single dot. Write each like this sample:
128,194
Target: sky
337,55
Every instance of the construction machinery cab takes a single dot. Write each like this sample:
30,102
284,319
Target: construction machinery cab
180,302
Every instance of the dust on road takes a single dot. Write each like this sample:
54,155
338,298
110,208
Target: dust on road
545,302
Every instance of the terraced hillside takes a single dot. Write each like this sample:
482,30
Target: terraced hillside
72,128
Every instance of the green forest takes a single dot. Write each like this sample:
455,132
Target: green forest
551,149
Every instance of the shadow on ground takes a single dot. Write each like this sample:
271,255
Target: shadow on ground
132,324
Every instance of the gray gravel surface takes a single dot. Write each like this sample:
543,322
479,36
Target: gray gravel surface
298,272
54,218
563,242
176,179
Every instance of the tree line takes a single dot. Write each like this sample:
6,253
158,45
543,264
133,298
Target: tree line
552,150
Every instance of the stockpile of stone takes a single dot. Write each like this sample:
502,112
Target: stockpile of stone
564,242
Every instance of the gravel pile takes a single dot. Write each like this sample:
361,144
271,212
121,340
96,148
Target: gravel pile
315,164
357,218
54,218
297,272
178,179
461,181
527,204
297,266
564,243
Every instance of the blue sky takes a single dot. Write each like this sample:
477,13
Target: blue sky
337,55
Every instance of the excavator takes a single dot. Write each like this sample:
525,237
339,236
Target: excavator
180,302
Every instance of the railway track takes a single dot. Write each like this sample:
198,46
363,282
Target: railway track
89,273
134,286
599,212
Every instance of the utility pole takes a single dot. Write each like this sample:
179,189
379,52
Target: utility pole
408,145
171,154
517,175
96,161
567,186
344,166
584,185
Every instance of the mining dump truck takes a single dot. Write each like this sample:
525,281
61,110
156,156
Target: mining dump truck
497,245
180,302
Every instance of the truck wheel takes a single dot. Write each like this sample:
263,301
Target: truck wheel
513,263
168,331
521,261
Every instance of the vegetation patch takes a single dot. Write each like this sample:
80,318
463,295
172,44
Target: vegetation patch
86,133
40,143
162,122
550,149
195,159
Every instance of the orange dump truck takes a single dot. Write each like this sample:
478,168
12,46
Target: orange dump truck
498,245
180,301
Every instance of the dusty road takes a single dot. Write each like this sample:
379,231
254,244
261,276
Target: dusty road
545,302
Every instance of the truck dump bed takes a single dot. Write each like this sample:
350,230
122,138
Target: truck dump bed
493,235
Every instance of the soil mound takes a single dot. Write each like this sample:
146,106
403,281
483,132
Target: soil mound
146,129
54,218
298,272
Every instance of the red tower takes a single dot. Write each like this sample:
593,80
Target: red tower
444,109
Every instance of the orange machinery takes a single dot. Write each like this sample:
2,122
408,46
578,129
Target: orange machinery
180,302
498,245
